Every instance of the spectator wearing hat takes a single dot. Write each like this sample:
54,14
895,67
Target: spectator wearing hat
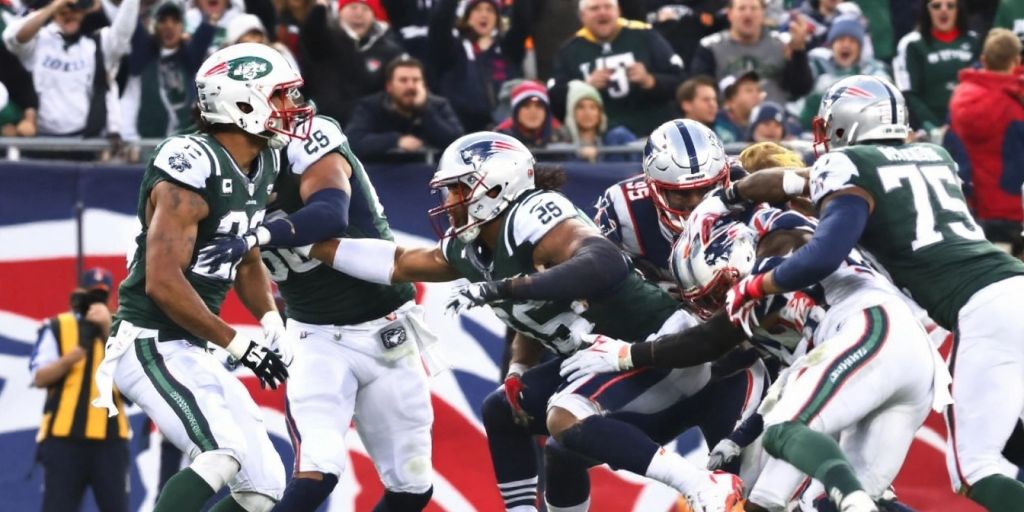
929,59
403,118
780,60
73,72
79,446
470,58
740,94
587,125
247,28
987,116
162,68
344,61
531,121
630,63
767,123
698,100
217,13
841,56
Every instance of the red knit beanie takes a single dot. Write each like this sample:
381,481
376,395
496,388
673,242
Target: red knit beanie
374,5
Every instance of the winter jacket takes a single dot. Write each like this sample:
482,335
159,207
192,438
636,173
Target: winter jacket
987,114
468,77
376,126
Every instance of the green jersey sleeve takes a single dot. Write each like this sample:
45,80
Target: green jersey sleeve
832,172
184,161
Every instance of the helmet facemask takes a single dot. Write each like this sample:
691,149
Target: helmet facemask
455,207
291,122
675,218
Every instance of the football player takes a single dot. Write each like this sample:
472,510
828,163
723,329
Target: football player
864,368
550,275
198,187
902,202
360,339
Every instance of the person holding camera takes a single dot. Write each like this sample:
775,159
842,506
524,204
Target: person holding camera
79,446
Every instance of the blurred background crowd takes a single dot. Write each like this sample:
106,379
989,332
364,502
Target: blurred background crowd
587,79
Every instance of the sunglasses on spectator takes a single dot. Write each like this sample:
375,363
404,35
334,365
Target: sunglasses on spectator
935,6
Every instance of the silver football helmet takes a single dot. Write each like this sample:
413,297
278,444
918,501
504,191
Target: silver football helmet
714,255
682,155
488,170
860,108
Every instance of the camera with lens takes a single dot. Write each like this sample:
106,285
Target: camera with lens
82,300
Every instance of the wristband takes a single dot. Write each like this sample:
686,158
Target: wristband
516,369
239,344
793,184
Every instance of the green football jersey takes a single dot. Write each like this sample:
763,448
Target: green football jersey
920,231
635,311
315,293
237,203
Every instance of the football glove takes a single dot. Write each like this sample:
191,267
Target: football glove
740,301
265,364
472,295
603,355
724,452
277,338
227,250
514,393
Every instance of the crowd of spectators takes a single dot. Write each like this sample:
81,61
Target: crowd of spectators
403,76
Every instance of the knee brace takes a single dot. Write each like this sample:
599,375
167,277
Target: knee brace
254,501
215,468
404,501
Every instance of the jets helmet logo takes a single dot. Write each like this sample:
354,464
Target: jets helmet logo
178,162
248,68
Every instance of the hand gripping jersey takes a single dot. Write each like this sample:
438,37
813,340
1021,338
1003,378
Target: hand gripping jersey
920,231
236,202
636,310
316,293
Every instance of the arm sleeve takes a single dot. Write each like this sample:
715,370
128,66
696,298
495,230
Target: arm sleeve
440,125
841,225
23,51
908,70
441,43
117,38
596,269
701,343
198,44
314,34
264,10
513,43
667,67
130,108
796,75
18,82
45,350
364,136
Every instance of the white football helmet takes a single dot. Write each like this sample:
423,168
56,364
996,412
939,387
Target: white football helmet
860,108
494,169
682,155
715,254
236,84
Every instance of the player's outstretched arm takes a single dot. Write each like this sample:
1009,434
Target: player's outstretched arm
769,186
169,246
383,261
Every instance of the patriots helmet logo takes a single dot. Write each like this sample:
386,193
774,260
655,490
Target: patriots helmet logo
477,153
178,162
854,91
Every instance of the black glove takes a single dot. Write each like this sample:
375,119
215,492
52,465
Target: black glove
265,364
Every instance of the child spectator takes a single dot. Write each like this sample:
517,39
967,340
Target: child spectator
587,125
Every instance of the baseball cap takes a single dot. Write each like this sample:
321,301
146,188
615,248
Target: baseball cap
727,85
168,9
97,277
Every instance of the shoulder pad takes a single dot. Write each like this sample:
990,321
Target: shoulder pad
535,216
832,172
325,136
185,159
